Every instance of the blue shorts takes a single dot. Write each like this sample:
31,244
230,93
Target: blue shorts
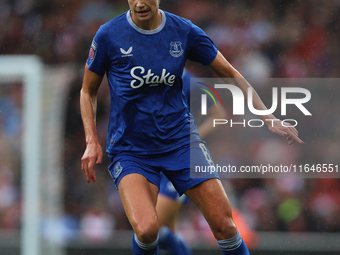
174,164
167,189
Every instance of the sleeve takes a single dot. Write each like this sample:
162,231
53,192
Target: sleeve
98,54
202,48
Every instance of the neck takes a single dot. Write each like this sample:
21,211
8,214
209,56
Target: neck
150,24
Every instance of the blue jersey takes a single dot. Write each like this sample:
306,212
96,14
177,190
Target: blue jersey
148,112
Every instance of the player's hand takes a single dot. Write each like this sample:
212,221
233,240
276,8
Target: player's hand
275,126
93,154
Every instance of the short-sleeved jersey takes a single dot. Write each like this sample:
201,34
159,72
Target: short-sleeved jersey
148,112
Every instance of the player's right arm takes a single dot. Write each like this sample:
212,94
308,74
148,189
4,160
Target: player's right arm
88,107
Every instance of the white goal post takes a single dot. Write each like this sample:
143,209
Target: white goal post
28,69
43,116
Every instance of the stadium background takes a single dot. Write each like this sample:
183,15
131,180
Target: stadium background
261,38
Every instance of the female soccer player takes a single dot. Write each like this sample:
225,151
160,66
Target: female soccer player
143,53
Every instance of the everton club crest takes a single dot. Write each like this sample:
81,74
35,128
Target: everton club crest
176,49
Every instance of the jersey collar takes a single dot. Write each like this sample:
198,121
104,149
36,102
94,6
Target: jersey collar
143,31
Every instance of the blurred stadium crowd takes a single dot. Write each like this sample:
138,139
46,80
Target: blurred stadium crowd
261,38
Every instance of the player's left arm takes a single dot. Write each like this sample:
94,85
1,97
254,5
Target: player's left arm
225,70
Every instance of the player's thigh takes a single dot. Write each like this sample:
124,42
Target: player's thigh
139,198
167,210
211,199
